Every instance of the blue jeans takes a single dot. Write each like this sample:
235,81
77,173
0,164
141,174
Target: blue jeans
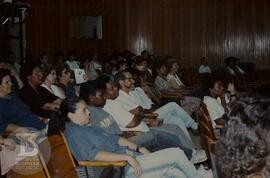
172,113
177,132
155,140
169,163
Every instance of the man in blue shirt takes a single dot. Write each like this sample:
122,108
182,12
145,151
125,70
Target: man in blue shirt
153,140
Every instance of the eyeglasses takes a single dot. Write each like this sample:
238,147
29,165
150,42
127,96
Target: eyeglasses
129,78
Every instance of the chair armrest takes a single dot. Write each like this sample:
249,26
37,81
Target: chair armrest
103,163
166,95
219,126
154,115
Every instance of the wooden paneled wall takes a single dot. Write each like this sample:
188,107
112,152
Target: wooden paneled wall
186,29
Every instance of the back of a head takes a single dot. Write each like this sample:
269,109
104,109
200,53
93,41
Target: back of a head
88,88
242,148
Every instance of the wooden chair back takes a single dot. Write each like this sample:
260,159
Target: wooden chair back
206,129
205,122
60,163
40,172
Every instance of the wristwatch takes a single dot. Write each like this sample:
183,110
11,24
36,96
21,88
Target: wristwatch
138,148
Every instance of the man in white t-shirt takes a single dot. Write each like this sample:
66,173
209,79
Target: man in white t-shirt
170,113
130,121
204,67
215,100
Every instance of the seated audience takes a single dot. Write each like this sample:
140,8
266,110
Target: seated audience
188,103
134,121
14,114
170,113
92,143
153,140
218,99
30,93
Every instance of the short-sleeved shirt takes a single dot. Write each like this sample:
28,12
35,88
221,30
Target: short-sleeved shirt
139,97
122,116
204,69
14,111
161,83
171,77
102,119
33,99
55,90
86,141
126,101
214,107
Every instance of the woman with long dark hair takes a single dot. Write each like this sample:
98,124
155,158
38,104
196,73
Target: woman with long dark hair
243,149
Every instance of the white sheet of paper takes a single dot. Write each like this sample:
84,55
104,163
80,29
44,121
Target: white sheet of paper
79,75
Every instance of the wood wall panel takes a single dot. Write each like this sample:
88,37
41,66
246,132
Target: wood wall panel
186,29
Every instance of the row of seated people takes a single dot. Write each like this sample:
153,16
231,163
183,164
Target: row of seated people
130,96
111,63
242,149
40,98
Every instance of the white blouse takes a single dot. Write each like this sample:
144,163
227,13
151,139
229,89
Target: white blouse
57,91
175,78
